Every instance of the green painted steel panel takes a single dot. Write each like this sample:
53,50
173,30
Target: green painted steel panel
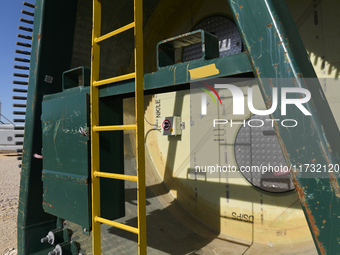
65,175
178,74
66,157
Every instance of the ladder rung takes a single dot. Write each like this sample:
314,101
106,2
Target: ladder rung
115,32
114,79
114,128
116,176
116,224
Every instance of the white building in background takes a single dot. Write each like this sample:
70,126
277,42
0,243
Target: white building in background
11,136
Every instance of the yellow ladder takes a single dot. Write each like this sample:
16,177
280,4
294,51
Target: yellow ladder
96,174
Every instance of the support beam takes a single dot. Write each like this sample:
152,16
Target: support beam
275,50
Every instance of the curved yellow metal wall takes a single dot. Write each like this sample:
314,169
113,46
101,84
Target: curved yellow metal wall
277,218
249,214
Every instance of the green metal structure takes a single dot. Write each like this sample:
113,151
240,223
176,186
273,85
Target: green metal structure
319,196
65,168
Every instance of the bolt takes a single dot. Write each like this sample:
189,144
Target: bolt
44,240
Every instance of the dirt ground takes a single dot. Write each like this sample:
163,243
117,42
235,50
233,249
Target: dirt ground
9,195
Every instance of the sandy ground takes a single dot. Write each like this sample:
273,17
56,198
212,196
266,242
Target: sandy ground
9,195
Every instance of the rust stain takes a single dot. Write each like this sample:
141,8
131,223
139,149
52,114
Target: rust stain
334,184
325,154
271,82
329,148
257,71
241,6
260,39
301,194
269,101
269,25
36,51
324,221
48,204
280,42
236,15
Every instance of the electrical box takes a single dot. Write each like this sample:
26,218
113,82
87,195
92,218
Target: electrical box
172,125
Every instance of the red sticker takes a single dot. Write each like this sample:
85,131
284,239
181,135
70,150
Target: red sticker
166,125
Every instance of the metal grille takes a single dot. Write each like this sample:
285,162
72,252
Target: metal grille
258,146
229,38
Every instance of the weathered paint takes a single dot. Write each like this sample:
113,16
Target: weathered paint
311,220
281,54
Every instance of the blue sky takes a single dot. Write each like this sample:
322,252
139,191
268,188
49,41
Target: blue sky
10,13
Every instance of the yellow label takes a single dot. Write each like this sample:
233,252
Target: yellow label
203,71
